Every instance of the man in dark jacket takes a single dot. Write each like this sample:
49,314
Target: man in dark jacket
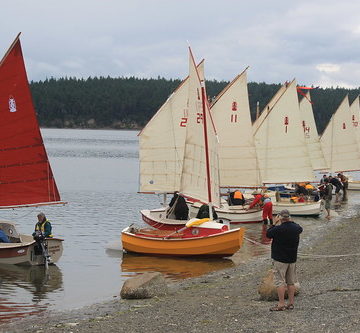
338,187
179,207
284,246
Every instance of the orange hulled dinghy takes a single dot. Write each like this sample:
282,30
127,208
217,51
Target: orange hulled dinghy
198,238
199,180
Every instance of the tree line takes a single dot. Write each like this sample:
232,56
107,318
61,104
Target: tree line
129,102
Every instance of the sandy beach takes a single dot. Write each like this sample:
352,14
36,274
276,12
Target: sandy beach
228,301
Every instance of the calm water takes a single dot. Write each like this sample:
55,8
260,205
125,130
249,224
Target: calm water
97,173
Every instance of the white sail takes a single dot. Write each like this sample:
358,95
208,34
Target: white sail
162,141
355,117
338,141
200,175
237,155
311,134
280,142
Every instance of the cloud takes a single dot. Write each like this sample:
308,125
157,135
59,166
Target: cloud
278,39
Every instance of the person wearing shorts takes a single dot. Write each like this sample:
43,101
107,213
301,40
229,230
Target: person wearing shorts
285,242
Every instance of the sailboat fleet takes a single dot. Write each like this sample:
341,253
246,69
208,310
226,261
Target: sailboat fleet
191,147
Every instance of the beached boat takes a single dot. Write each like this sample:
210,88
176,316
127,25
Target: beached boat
26,176
339,141
199,182
281,149
209,239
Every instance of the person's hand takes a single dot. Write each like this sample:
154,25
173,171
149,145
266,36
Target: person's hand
277,219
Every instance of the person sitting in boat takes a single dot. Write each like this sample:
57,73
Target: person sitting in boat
300,198
236,198
204,212
179,207
42,227
300,188
3,237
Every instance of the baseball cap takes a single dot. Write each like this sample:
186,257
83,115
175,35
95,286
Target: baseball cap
284,213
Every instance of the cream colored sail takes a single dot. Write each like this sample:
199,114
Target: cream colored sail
338,141
280,142
311,134
200,175
355,117
237,156
162,141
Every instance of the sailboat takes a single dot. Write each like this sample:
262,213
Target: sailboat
281,149
355,120
339,141
161,153
237,155
200,182
311,134
26,178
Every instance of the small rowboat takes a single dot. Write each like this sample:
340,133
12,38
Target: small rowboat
198,238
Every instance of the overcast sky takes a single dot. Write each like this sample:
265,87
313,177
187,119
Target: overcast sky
317,42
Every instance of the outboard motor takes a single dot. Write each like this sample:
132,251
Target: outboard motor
41,247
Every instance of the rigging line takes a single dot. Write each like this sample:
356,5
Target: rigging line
22,216
309,256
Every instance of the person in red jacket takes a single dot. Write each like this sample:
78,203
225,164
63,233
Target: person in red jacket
265,203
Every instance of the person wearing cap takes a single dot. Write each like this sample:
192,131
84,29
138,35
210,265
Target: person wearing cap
265,203
284,246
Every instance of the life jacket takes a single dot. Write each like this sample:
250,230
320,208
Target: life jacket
41,227
309,187
238,195
266,200
294,199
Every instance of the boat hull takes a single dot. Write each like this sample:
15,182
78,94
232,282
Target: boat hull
235,214
24,253
298,209
157,217
223,244
354,185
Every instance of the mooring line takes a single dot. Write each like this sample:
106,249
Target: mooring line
305,255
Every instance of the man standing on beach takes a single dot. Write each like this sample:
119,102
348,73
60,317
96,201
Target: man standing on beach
284,246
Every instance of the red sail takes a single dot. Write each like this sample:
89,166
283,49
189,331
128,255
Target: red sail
25,173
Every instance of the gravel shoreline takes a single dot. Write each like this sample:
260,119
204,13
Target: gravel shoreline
228,301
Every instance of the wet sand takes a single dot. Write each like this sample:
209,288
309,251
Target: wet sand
228,301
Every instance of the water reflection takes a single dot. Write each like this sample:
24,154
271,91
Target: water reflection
172,268
30,286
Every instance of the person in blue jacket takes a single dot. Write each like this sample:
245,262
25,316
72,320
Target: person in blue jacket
3,237
284,246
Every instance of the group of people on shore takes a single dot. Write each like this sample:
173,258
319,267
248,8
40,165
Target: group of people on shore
326,187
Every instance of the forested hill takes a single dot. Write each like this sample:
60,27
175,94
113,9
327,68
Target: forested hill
130,102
